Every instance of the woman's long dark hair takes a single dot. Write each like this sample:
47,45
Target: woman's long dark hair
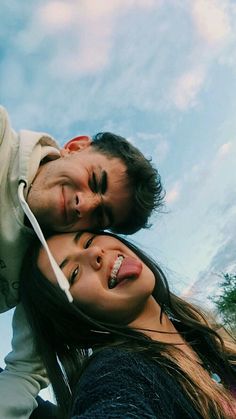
64,335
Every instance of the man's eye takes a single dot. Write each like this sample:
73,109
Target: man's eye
74,275
93,183
89,242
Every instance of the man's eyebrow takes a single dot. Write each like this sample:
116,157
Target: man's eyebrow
75,240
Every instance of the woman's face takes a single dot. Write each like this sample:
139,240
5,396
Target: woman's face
107,280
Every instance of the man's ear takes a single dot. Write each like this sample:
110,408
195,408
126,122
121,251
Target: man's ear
76,144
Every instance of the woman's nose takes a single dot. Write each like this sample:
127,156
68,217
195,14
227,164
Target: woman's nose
94,256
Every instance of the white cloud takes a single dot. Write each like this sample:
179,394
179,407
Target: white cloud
161,150
222,259
187,87
56,15
61,13
207,171
173,194
211,19
157,143
91,26
101,8
91,54
224,150
126,67
98,8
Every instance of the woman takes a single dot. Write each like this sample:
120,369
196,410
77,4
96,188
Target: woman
154,355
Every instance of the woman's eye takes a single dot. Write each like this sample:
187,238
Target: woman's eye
89,242
74,275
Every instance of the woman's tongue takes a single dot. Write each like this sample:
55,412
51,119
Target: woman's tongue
130,268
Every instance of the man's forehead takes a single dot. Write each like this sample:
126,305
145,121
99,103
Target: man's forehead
110,162
102,153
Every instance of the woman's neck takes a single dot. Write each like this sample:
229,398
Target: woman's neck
149,323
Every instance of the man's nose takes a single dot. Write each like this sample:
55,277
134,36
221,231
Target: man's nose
87,202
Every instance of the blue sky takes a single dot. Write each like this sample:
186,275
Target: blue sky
161,73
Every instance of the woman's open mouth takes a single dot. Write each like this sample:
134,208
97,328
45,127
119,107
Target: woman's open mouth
125,267
112,281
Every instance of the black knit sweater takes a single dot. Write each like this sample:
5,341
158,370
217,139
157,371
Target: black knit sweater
117,384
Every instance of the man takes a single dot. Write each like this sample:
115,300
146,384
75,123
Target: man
100,183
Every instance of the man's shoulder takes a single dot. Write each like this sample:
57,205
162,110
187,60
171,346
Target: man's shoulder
3,121
3,112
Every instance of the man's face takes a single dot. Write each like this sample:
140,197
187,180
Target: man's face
82,189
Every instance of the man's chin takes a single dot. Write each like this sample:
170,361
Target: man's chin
53,227
58,228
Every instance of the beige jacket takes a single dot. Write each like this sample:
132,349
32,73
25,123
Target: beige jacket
20,156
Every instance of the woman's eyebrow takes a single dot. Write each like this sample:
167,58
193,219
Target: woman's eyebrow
75,240
63,263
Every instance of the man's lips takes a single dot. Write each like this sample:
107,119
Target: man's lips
68,212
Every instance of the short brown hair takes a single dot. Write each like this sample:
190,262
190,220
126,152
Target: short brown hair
145,182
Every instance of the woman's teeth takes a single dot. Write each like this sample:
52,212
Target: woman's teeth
112,283
113,278
116,266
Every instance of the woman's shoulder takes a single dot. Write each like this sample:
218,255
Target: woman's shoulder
122,360
113,362
112,367
126,381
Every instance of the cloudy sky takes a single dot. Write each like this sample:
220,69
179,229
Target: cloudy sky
161,73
